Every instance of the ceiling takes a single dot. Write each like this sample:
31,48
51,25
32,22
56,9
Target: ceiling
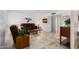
41,12
34,11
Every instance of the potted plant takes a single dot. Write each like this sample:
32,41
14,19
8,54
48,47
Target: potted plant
67,23
23,32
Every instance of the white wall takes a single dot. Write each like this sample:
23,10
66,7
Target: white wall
17,18
3,21
44,26
54,22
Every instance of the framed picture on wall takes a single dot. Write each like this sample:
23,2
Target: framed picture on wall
44,20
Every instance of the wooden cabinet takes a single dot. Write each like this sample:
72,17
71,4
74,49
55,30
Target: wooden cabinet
65,31
22,42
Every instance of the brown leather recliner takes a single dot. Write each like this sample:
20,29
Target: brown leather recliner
14,31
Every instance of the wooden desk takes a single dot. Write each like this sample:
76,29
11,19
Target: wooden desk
65,31
22,42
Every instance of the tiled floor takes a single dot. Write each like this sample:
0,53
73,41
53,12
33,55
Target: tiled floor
44,40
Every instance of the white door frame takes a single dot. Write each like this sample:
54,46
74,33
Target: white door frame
74,28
